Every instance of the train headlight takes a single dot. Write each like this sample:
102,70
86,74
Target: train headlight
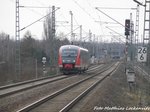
74,61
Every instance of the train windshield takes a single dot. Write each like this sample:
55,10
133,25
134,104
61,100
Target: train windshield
69,52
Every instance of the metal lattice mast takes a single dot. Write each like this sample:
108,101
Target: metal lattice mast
146,33
80,33
137,26
72,37
53,22
17,43
53,35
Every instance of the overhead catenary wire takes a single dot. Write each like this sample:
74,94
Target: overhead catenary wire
109,16
75,20
36,12
83,9
117,8
101,26
70,32
32,7
116,32
97,8
105,22
37,20
98,16
117,38
65,26
139,3
100,22
62,21
84,12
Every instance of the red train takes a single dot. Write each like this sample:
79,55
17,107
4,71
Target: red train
73,59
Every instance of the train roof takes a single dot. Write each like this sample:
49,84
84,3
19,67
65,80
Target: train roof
73,46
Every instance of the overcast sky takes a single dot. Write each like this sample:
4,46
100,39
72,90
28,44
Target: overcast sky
84,14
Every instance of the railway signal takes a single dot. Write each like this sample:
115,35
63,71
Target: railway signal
127,27
44,69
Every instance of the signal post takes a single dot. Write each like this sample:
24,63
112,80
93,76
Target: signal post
129,68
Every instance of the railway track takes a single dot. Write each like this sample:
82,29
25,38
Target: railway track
63,99
22,86
15,88
16,95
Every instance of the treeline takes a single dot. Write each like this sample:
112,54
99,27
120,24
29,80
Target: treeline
31,53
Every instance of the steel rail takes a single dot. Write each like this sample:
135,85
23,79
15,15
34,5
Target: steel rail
84,93
41,101
33,80
30,86
25,82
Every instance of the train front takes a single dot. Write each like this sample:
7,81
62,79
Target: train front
68,57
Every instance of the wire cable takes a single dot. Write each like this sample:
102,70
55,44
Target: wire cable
117,8
37,20
116,32
109,16
70,32
83,9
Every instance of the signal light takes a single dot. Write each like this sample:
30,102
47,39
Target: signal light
127,27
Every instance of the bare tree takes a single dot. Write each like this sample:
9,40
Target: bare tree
48,27
6,58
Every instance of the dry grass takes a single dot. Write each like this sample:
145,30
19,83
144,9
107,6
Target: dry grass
115,92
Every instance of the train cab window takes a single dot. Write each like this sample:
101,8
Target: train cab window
69,52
